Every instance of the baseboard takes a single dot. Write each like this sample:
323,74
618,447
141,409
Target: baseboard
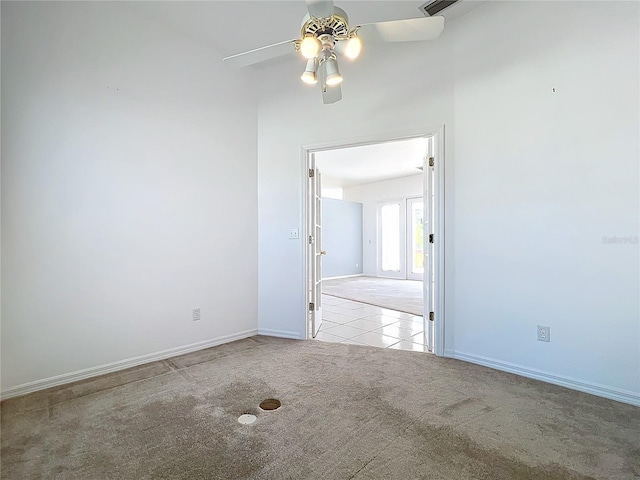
624,396
343,276
280,333
31,387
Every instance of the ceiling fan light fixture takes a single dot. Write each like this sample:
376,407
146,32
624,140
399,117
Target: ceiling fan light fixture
309,76
353,47
331,73
310,46
325,34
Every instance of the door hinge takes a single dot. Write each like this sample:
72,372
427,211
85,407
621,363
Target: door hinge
431,316
431,238
312,306
312,173
310,239
432,161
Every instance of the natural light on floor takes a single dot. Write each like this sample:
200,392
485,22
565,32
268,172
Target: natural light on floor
346,321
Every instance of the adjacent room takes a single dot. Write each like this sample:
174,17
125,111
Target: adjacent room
373,244
161,282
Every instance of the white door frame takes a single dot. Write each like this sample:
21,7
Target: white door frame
314,248
437,136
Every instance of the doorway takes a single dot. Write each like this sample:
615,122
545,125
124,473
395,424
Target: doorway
411,253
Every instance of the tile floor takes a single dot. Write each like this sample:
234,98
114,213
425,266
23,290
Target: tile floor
346,321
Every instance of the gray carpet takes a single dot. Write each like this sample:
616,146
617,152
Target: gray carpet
348,412
400,295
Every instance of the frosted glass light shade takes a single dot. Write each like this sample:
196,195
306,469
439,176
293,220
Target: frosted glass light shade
310,47
309,76
353,47
331,73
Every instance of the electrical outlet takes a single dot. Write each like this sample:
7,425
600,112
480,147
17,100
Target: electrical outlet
293,233
196,314
544,334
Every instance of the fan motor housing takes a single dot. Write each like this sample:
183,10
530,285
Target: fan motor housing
337,25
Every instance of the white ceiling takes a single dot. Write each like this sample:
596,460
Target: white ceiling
236,26
231,27
351,166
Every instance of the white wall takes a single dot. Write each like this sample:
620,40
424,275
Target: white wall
332,192
540,178
341,238
128,190
534,180
370,195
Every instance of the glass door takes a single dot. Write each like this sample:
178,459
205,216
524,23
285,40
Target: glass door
391,239
415,238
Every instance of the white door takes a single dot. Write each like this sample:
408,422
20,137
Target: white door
315,251
415,239
391,239
428,239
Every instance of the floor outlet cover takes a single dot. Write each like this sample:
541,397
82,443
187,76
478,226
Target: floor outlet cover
247,419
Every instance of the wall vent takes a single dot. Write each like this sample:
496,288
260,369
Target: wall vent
433,8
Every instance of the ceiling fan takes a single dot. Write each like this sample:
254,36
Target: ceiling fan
326,34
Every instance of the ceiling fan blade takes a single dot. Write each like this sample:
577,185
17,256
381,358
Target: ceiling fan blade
410,30
261,54
320,8
331,94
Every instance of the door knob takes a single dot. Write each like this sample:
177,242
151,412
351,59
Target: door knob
323,252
